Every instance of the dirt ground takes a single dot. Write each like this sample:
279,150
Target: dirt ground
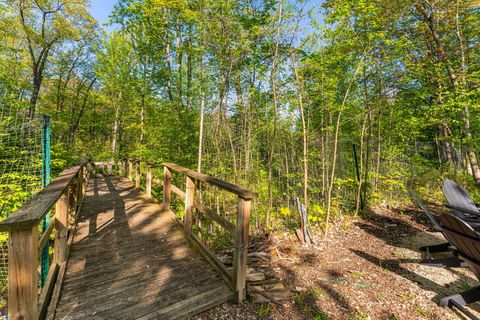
368,270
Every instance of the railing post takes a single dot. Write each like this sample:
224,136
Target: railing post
110,168
240,254
189,198
167,177
86,176
148,187
23,274
120,168
130,170
137,174
80,184
61,228
72,198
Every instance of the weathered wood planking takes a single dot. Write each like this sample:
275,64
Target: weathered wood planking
32,212
23,274
242,192
149,270
215,217
459,200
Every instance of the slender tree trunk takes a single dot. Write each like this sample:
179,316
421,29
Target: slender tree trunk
430,18
359,189
169,71
335,147
202,115
180,66
37,83
189,72
304,132
115,127
273,82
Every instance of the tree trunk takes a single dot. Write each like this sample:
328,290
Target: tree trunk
304,132
335,147
431,19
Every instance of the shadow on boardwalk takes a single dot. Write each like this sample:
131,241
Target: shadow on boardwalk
130,260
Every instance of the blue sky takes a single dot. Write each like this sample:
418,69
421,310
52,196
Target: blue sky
101,9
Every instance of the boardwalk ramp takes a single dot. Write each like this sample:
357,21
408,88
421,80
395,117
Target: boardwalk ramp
130,259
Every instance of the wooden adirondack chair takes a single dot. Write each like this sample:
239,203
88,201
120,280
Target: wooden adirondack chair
460,202
467,243
452,261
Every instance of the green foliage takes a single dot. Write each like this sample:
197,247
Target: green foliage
369,74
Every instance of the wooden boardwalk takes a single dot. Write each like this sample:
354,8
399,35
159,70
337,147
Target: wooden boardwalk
130,259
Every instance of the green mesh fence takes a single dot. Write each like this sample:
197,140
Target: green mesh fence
21,169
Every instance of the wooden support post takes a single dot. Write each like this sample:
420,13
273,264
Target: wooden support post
23,274
241,249
120,168
130,170
137,175
189,199
167,180
61,228
148,187
86,176
80,183
110,168
72,199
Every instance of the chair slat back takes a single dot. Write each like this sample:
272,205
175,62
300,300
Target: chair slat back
457,196
464,238
424,208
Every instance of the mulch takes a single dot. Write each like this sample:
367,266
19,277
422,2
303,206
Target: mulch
368,270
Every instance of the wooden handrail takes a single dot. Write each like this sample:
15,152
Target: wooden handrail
240,230
237,277
25,246
32,212
242,192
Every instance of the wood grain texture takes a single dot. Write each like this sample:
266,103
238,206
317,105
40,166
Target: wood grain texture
230,227
179,192
130,170
189,199
167,183
23,274
460,201
61,228
240,253
137,175
148,183
131,259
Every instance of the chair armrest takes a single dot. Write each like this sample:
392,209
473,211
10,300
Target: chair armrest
462,209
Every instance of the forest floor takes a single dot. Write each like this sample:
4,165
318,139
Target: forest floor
359,272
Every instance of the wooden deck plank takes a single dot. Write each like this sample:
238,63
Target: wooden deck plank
115,287
188,307
129,258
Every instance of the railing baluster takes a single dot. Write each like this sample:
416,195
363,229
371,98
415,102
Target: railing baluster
137,174
241,249
148,187
80,184
189,199
61,221
167,180
130,170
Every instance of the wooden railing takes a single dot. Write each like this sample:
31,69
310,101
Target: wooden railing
65,193
240,231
